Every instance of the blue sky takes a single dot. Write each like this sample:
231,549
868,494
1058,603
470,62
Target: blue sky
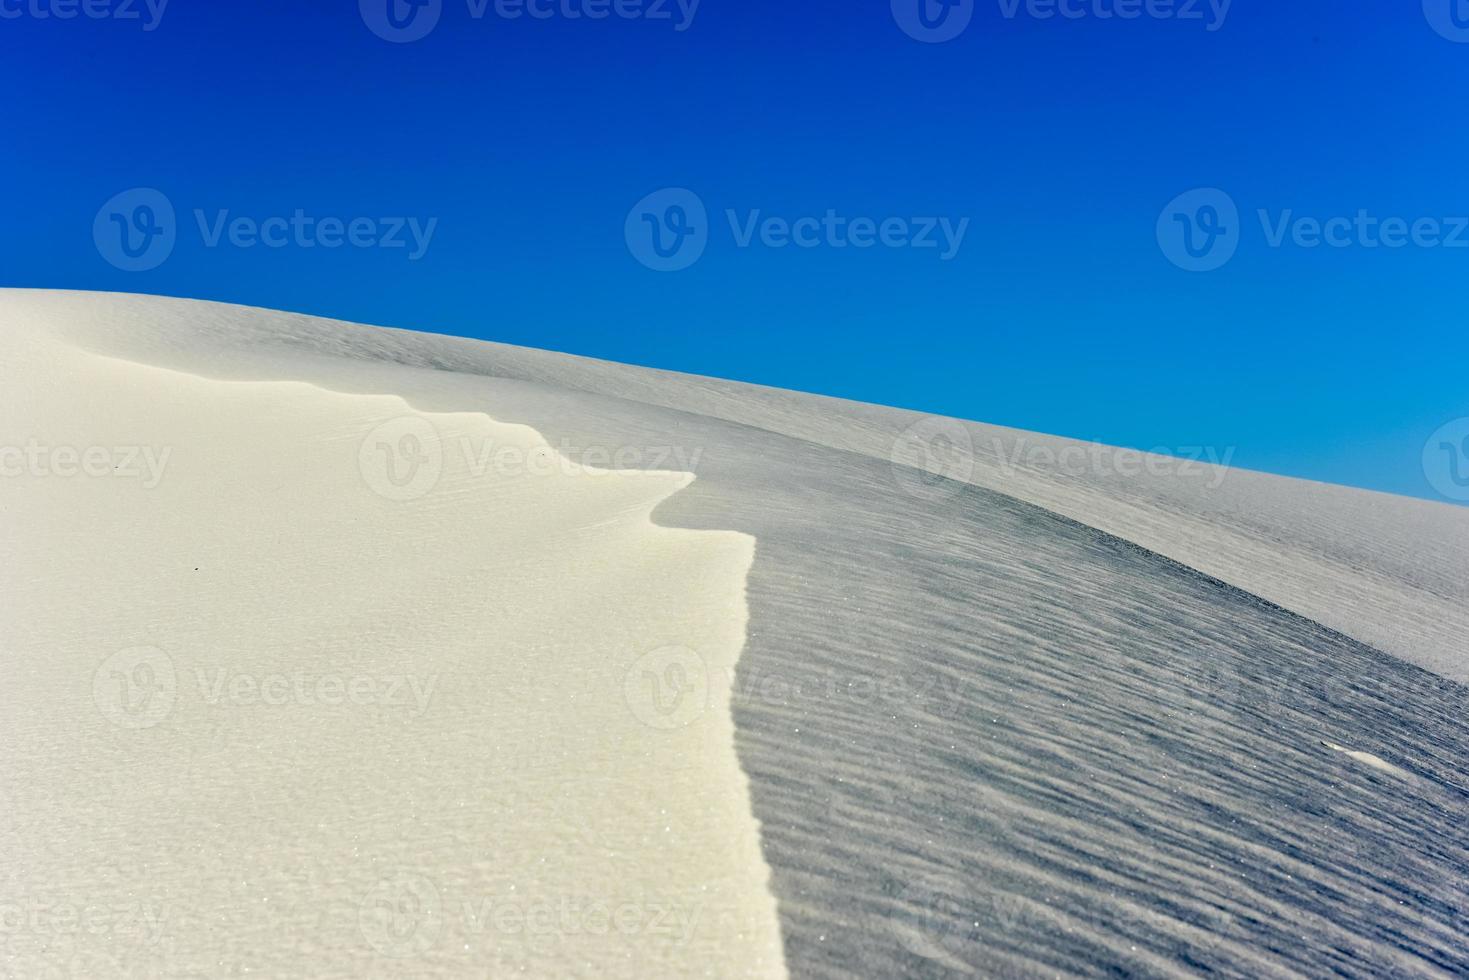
534,156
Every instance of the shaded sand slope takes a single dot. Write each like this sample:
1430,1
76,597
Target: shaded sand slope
985,738
279,709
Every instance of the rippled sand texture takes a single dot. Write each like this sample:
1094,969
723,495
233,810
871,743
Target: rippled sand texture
1092,761
985,738
302,709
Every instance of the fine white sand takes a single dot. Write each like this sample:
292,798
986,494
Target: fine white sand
319,681
298,683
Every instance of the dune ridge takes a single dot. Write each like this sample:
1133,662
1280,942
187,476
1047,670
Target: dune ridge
1391,572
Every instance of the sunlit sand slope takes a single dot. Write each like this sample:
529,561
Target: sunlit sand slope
300,683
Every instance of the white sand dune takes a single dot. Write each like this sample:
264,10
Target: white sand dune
872,695
312,710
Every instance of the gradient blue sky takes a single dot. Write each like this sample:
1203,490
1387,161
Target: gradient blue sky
1061,140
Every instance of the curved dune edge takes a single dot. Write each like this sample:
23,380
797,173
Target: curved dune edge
1391,572
335,687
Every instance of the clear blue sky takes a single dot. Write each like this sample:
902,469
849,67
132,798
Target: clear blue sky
1061,140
